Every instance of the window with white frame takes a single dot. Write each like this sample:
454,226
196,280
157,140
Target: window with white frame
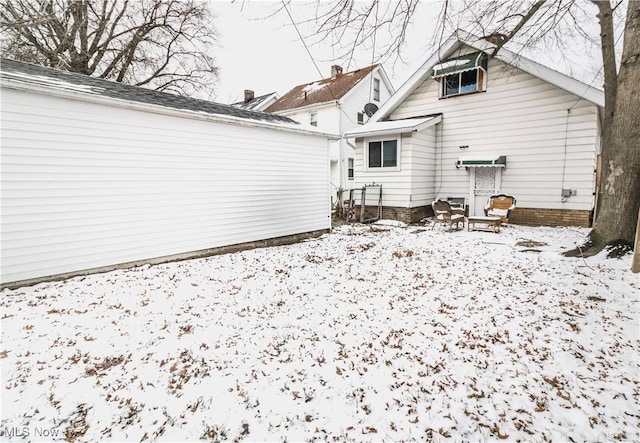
350,168
462,83
382,154
376,89
313,118
360,118
464,74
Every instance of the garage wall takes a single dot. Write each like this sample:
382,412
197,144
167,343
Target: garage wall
88,185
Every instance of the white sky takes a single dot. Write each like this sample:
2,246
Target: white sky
266,54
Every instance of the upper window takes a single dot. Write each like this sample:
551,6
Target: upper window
376,89
383,154
350,168
462,83
313,118
464,74
360,118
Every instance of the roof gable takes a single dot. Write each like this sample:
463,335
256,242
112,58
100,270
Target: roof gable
257,103
460,38
321,91
34,74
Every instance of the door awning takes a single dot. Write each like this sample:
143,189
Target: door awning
483,161
461,64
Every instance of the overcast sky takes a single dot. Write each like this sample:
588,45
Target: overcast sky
266,55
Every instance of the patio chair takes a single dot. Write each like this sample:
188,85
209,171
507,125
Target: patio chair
446,215
500,205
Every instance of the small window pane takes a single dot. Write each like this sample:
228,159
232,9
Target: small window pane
350,168
376,89
360,118
390,153
375,154
452,84
469,81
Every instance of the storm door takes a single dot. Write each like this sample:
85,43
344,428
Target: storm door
485,182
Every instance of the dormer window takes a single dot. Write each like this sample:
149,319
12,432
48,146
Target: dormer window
462,75
313,119
376,89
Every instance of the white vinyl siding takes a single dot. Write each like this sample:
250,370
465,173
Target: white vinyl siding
383,153
87,185
423,162
524,118
396,182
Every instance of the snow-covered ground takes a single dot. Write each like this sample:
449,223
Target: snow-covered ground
370,333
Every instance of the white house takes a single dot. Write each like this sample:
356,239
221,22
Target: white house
337,104
467,125
98,175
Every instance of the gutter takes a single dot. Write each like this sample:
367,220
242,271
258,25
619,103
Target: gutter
158,109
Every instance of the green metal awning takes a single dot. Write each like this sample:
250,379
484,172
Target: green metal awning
461,64
478,162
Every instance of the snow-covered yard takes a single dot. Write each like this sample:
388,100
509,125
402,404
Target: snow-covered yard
370,333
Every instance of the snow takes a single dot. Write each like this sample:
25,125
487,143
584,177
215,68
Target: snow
451,64
373,332
313,87
50,81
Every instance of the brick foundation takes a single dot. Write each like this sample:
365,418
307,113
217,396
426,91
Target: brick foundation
407,215
519,216
550,217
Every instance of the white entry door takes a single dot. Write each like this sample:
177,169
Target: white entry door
485,182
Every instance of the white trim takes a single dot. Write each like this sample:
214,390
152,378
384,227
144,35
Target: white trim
375,88
472,188
424,72
379,129
460,37
383,75
396,168
159,109
479,87
307,108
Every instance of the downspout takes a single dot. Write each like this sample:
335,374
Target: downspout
340,153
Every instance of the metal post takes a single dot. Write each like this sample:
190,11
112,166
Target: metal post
635,265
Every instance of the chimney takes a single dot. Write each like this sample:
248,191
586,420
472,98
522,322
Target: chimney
248,95
336,70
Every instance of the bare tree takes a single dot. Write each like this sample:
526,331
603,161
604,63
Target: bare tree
160,44
527,24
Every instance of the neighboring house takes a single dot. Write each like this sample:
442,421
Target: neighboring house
98,175
253,103
466,126
335,105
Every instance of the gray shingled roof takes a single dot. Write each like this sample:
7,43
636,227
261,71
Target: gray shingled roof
106,88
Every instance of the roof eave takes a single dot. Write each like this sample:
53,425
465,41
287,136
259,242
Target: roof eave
387,131
460,37
288,111
422,73
179,112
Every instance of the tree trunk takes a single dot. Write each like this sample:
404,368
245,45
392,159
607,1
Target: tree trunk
617,217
